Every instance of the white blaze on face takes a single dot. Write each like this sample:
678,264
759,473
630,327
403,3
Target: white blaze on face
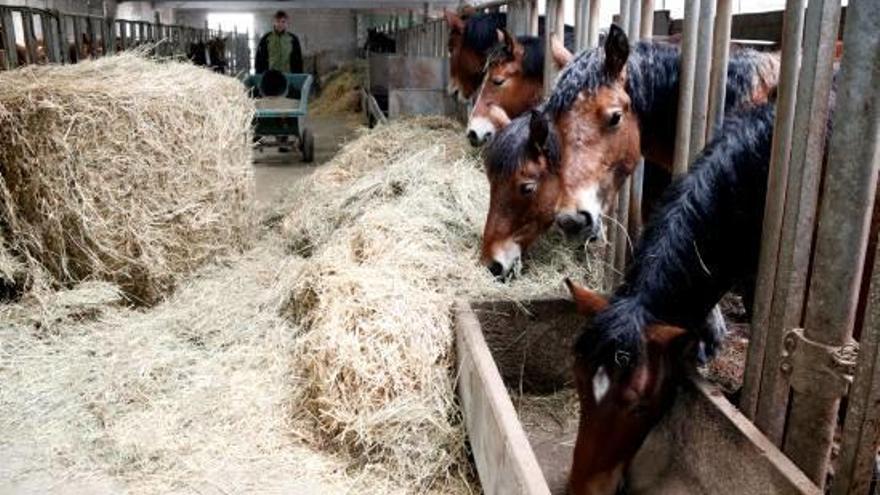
601,384
588,202
482,127
507,253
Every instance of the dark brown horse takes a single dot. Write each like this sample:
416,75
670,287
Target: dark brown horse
513,84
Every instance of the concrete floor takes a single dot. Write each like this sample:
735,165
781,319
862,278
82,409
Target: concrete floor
275,172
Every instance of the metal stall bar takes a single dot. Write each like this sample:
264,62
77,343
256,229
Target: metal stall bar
30,41
811,112
555,26
646,30
843,224
854,146
856,139
593,26
63,38
621,223
8,26
77,37
641,26
580,24
689,37
700,111
50,36
533,17
720,59
764,341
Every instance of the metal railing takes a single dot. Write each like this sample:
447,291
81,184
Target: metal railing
50,36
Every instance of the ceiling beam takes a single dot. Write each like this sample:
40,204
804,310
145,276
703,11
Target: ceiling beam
239,5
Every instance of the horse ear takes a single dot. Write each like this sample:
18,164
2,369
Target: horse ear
508,40
588,302
454,21
663,335
561,55
616,51
538,129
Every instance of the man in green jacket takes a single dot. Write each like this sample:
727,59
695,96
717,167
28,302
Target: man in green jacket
278,49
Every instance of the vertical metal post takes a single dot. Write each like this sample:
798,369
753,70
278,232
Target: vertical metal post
554,21
689,37
9,38
634,216
63,37
854,146
847,203
811,112
720,59
50,38
646,30
533,17
157,26
30,41
624,15
700,111
593,25
580,24
634,21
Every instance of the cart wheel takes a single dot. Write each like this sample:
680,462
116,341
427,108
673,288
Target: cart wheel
308,146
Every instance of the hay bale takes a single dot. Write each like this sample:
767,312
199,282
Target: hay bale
124,169
391,232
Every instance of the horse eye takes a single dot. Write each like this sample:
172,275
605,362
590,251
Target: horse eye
615,119
497,81
527,188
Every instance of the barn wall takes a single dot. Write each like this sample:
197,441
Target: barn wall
91,7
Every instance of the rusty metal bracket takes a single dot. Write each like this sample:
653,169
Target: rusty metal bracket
816,368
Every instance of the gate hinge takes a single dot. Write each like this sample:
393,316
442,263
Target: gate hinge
816,368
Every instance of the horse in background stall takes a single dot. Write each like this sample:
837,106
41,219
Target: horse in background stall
471,37
703,240
379,42
600,119
513,84
210,53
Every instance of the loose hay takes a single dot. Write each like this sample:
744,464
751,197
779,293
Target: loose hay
340,92
123,169
391,231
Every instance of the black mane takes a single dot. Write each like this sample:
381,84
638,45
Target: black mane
704,237
480,30
511,147
533,60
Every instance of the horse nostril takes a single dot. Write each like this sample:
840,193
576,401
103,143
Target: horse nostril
496,269
473,138
586,220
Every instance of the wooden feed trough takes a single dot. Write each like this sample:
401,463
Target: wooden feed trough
702,446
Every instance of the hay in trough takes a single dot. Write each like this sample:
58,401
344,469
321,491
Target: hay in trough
340,92
391,231
123,169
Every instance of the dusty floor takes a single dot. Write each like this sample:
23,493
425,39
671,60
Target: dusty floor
275,172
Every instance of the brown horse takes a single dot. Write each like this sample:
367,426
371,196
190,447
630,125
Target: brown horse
471,37
612,105
607,108
513,84
620,407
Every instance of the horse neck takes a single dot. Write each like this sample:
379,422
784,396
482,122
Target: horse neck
706,235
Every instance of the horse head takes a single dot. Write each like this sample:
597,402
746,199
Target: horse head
599,134
513,83
523,190
619,407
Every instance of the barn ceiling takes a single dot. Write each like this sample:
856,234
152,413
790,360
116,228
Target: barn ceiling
240,5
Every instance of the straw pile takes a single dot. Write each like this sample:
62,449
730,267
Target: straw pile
390,232
339,94
124,170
